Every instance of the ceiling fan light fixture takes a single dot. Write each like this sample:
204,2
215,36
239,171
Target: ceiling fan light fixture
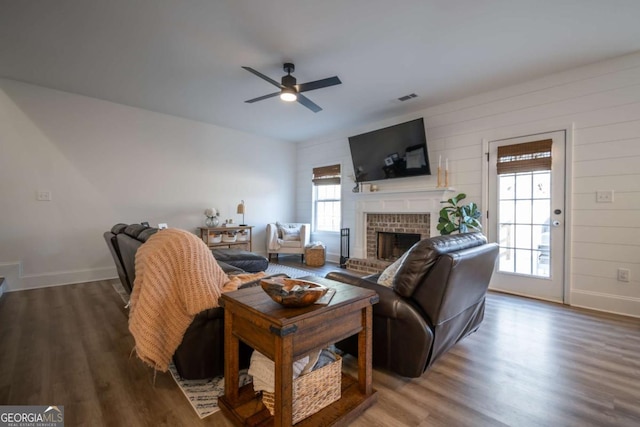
288,94
290,91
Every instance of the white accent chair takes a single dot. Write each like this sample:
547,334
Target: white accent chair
287,238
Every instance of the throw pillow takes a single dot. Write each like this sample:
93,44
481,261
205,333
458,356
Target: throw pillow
389,274
290,234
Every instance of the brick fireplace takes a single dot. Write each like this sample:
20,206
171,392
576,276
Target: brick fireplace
399,210
394,223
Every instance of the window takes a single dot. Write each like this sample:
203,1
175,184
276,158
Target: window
326,198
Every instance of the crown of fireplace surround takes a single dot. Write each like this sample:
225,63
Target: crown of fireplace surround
398,212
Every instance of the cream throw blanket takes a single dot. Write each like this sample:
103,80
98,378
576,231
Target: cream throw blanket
176,278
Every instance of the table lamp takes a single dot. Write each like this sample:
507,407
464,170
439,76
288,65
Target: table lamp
240,210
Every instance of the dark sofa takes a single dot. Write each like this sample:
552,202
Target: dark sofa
201,353
437,298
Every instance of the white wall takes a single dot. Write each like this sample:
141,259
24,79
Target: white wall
602,102
106,163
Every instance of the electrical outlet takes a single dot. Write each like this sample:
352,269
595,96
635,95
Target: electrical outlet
604,196
624,275
43,196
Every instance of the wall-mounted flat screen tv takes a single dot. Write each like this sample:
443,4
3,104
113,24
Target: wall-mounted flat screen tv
397,151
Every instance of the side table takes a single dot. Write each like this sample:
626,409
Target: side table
286,334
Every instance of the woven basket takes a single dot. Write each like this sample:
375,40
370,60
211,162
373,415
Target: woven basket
314,257
312,392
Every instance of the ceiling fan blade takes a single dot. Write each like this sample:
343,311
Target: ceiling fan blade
318,84
308,103
263,77
260,98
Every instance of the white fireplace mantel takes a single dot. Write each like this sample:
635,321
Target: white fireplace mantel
423,201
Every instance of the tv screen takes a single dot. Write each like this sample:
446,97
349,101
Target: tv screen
394,152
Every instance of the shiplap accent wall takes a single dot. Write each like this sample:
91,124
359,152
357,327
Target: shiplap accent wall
602,104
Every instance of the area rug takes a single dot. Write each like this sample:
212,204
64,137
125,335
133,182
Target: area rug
289,271
203,394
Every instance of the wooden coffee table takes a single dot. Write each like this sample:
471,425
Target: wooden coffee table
287,334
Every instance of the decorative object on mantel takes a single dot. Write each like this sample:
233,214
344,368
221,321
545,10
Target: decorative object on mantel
240,210
355,189
356,179
460,218
446,172
212,217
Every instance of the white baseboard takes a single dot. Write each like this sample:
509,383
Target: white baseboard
11,273
627,306
331,257
16,281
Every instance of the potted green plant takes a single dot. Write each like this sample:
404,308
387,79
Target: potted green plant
460,218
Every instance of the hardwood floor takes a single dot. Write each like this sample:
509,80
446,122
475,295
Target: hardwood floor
531,363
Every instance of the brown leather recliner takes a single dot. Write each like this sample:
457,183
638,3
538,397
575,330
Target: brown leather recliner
437,298
201,353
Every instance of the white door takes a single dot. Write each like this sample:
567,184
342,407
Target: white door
526,214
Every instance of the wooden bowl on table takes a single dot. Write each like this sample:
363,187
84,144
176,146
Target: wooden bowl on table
293,292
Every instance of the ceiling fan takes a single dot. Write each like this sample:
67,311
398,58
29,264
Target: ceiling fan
291,91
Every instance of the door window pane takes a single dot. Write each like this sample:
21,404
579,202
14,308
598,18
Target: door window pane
507,259
507,186
523,236
541,264
539,236
507,235
523,185
541,211
507,212
523,211
542,185
523,261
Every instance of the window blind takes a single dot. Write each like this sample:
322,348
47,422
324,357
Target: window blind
527,157
326,175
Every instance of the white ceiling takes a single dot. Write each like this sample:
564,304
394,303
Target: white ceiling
183,57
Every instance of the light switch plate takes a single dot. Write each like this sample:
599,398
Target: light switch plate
43,196
604,196
624,274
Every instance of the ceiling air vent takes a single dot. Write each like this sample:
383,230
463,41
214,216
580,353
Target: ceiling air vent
407,97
